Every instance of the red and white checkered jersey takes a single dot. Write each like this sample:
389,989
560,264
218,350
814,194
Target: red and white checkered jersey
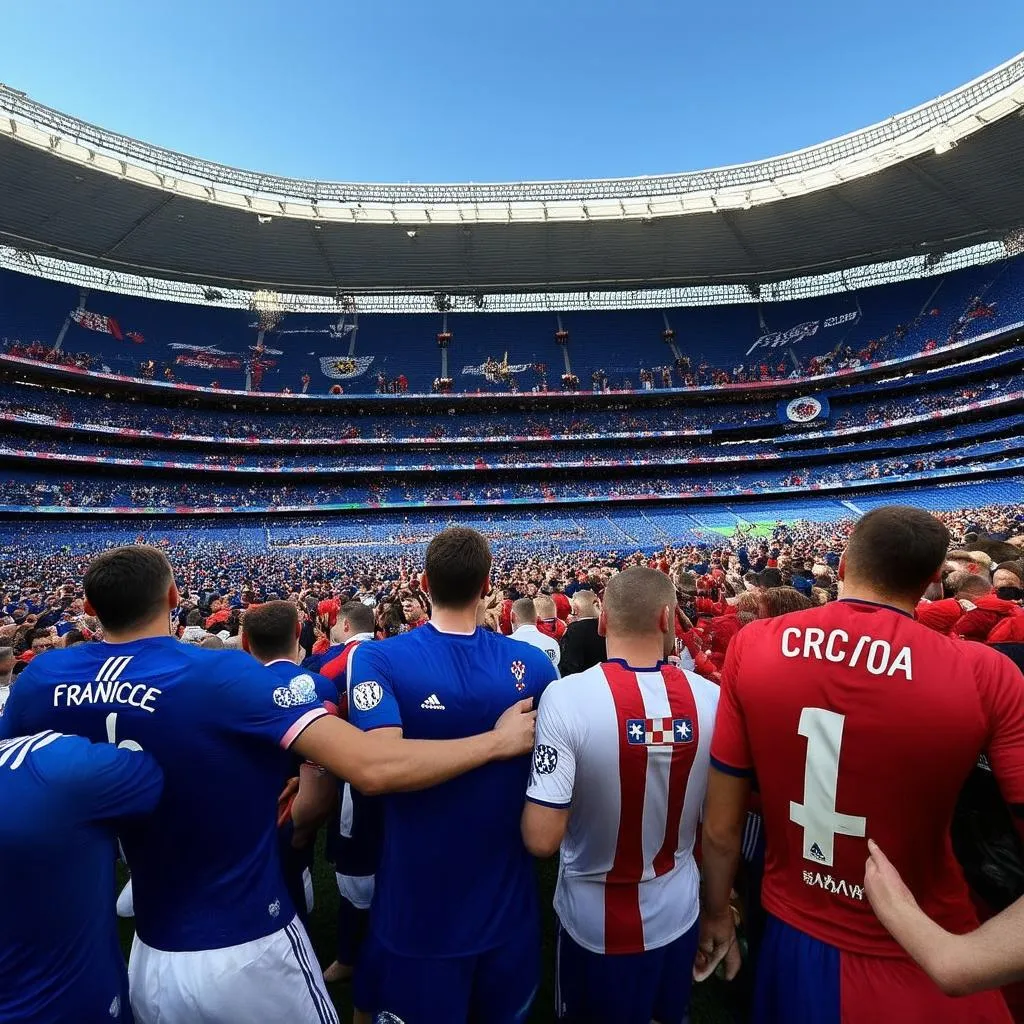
627,750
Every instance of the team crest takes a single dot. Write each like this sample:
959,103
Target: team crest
301,690
545,759
518,672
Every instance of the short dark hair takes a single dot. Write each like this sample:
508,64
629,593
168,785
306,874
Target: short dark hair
270,629
633,599
897,549
457,565
774,601
128,586
360,615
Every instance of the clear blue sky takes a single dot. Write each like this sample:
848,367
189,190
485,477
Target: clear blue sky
458,90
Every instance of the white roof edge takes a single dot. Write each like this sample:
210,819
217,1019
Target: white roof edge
90,278
935,125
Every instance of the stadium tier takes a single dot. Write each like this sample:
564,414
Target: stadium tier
690,347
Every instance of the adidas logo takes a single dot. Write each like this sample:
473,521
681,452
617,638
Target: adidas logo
432,704
816,852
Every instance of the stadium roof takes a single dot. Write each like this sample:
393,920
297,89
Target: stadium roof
941,177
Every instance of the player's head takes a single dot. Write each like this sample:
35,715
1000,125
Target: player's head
966,585
131,590
6,665
271,631
1008,576
524,613
545,606
353,617
585,604
414,608
457,568
639,607
894,552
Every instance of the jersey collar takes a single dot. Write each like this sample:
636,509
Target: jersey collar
632,668
875,604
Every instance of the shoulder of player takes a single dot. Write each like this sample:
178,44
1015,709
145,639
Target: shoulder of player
521,650
702,689
577,688
55,756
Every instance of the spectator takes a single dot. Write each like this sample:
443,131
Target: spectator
583,646
524,628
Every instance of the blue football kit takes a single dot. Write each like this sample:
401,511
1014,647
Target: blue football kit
297,861
206,870
62,797
454,926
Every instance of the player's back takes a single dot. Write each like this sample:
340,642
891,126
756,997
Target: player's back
59,954
454,874
640,741
205,867
861,722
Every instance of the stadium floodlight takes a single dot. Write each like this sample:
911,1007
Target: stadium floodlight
266,304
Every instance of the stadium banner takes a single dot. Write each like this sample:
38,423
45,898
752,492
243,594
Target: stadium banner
16,356
495,370
104,325
345,367
805,409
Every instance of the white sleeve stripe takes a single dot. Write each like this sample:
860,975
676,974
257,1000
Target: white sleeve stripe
31,748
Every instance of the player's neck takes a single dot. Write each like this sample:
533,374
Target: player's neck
157,628
454,620
637,652
858,592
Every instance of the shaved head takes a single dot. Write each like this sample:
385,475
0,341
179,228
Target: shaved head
545,607
634,599
584,604
524,612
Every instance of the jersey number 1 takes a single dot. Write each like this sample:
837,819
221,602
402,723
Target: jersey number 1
817,815
112,734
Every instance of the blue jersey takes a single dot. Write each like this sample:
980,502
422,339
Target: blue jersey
206,871
60,959
286,671
454,877
315,662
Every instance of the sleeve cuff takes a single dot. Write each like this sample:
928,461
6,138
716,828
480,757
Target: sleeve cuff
548,803
299,726
728,769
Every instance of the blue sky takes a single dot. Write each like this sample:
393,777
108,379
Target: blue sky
456,90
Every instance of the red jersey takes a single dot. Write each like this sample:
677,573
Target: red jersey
859,721
554,628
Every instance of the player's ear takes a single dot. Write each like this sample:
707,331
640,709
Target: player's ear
245,643
89,610
842,566
298,629
602,623
172,596
425,583
667,619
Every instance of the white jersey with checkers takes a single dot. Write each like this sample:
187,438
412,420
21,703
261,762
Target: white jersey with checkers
627,750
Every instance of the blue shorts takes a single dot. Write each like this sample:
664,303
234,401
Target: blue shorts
634,988
494,987
801,980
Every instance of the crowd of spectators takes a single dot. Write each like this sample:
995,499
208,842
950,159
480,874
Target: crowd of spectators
545,457
30,405
553,484
43,604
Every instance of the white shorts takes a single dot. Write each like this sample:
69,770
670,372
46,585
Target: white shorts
273,979
357,889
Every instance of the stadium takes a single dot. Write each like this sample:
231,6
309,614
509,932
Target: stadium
297,383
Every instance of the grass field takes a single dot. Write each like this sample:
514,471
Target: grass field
711,1001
